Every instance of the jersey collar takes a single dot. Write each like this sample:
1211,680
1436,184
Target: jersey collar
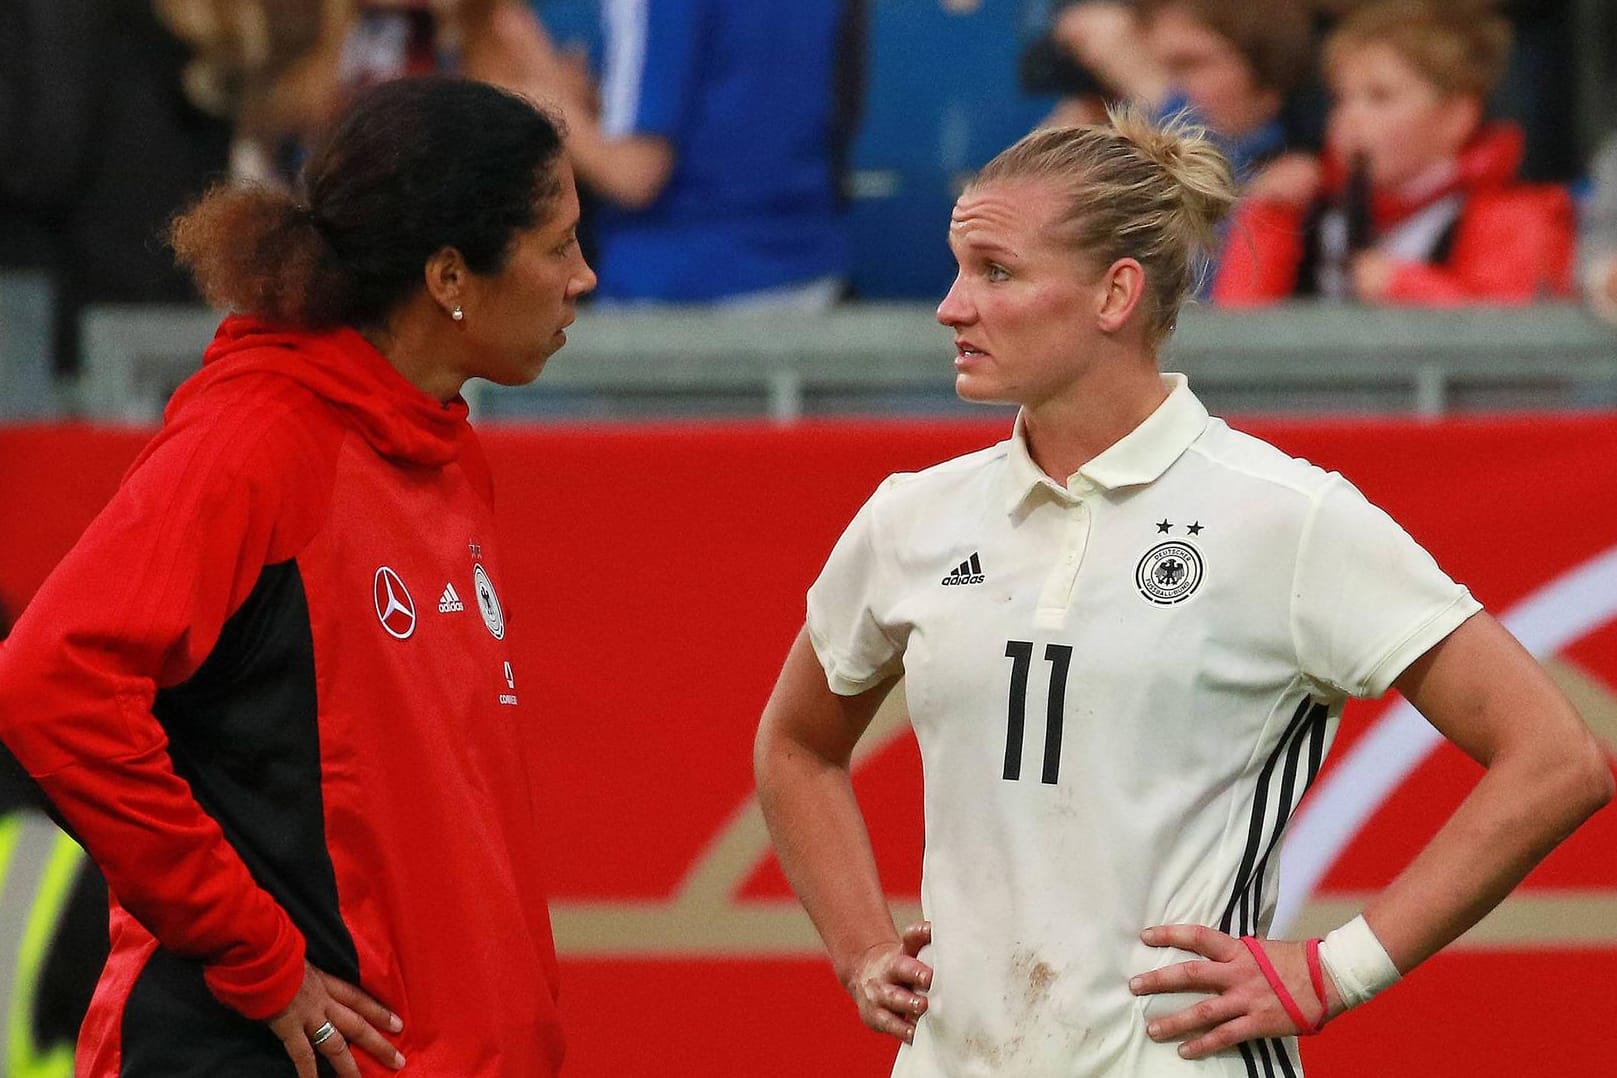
1139,457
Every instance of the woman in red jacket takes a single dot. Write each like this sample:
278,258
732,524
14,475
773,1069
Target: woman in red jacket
1419,203
271,689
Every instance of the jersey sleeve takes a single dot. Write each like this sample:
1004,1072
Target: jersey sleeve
849,608
654,64
1367,600
137,605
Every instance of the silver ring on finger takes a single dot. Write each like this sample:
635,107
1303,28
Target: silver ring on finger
323,1034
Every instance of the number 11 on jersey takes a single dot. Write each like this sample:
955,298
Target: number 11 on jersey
1059,656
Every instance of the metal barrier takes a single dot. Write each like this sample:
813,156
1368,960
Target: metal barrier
27,317
134,356
894,359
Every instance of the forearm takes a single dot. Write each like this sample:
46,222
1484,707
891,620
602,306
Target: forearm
1520,810
824,849
172,868
1107,39
1527,802
504,43
630,171
79,681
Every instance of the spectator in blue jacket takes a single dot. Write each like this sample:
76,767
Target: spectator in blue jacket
715,151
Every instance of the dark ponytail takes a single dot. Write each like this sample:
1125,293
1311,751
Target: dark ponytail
413,167
260,252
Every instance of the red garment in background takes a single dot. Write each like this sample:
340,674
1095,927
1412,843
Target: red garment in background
1512,242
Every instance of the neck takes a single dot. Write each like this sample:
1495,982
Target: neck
415,342
1263,110
1068,431
1429,180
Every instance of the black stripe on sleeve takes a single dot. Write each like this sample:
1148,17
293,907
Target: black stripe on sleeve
1283,1054
1289,796
1262,1050
1307,727
1316,744
1317,716
1254,838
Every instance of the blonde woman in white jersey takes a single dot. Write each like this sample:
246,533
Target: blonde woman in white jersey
1127,633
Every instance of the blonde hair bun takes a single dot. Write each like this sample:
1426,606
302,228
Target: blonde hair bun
1182,148
1135,188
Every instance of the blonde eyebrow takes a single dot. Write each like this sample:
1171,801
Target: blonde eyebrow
984,247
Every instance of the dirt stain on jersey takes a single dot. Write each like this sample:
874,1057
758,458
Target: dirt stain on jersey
1039,980
981,1046
1035,975
1041,1032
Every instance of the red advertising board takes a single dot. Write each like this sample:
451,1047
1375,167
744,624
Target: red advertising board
657,576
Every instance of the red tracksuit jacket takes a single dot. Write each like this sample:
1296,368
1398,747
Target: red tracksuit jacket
271,690
1512,243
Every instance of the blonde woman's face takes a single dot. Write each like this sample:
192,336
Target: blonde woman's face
1022,306
1386,112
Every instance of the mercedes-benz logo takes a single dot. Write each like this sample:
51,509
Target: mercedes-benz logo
394,607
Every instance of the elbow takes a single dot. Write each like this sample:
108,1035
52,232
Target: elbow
621,184
636,193
770,776
765,757
1559,784
760,757
636,172
1586,782
14,712
1600,785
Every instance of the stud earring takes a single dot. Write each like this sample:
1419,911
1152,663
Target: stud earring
457,314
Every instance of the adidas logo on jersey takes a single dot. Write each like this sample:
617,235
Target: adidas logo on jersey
969,571
449,602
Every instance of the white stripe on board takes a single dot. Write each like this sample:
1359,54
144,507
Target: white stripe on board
1565,609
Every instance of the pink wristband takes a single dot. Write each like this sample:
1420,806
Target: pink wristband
1316,974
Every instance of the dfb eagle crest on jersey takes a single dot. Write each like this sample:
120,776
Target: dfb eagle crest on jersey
1169,572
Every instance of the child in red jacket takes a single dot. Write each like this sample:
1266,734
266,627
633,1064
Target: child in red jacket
1419,202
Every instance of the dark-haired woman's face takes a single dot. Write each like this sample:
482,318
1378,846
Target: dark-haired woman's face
515,318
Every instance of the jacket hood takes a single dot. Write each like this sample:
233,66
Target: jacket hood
341,367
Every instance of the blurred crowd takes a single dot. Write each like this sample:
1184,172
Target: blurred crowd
1382,153
1394,151
709,134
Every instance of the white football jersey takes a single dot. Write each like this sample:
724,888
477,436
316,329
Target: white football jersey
1121,688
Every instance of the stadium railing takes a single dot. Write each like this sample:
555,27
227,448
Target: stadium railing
132,357
27,315
893,359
